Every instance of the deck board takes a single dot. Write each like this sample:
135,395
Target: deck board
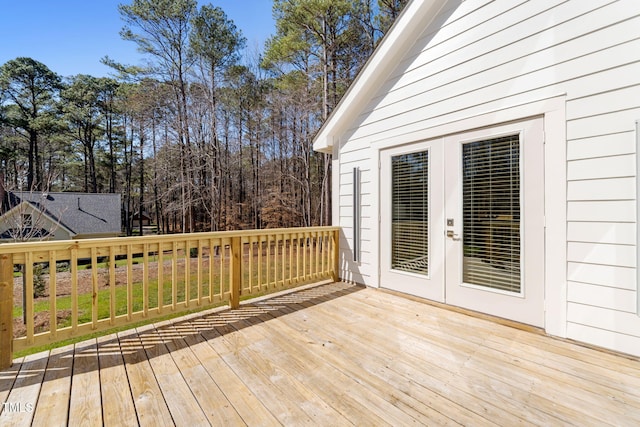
232,346
20,404
151,408
85,407
300,361
53,409
114,384
180,401
331,354
210,398
382,342
552,377
7,379
250,409
378,378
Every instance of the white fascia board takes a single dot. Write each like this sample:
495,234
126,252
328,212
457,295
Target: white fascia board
415,17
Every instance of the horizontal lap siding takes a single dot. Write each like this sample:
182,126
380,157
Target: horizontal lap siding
602,275
608,145
603,232
486,56
601,212
496,68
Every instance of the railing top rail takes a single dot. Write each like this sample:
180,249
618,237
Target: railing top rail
7,248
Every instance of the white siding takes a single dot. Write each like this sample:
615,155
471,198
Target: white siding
608,145
602,189
602,296
612,166
602,274
619,233
480,57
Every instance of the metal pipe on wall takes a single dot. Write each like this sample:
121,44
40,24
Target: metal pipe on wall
356,214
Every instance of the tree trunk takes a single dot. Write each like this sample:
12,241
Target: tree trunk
33,143
141,197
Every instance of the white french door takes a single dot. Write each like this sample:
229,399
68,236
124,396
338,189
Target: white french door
462,220
494,186
412,235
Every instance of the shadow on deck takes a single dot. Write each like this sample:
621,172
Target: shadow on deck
332,354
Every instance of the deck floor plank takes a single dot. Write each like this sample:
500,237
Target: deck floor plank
304,362
261,354
85,405
7,379
341,401
211,399
554,398
404,394
331,354
21,402
378,340
178,397
151,408
114,384
554,375
605,376
231,346
248,405
53,402
546,409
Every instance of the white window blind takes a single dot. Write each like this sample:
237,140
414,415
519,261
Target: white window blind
410,212
491,213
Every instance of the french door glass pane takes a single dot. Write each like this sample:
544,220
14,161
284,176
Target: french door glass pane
491,213
410,208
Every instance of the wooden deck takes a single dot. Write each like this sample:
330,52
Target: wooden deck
332,354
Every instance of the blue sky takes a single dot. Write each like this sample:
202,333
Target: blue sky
70,36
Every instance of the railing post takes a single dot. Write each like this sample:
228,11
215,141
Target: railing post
236,271
336,255
6,311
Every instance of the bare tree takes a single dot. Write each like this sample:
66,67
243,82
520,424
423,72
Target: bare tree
25,218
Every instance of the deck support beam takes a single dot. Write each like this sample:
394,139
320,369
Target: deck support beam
6,311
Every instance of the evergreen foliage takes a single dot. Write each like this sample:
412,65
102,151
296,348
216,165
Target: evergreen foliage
205,135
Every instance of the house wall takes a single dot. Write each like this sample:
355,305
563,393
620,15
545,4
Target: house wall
56,231
476,65
59,233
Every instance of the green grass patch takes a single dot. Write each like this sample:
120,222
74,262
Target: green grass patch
121,292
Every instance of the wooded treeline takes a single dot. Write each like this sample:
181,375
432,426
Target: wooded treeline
207,135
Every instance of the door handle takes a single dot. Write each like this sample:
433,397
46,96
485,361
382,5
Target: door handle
452,235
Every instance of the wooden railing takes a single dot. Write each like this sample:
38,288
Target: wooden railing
85,286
